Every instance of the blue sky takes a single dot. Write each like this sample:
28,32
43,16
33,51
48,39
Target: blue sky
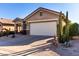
13,10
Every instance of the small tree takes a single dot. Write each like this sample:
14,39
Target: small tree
74,29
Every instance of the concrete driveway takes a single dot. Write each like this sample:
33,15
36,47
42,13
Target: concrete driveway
26,45
20,40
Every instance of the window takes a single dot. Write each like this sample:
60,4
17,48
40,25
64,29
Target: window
41,13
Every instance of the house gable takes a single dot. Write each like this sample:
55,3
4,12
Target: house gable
42,13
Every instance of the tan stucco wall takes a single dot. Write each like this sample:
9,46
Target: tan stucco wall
46,15
63,23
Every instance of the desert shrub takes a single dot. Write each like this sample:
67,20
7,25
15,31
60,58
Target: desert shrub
11,32
6,33
23,32
1,33
64,38
60,39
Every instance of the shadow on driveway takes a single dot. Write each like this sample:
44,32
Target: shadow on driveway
21,40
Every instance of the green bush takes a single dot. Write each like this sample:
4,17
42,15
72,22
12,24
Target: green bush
61,39
74,29
11,32
6,33
1,34
64,38
23,32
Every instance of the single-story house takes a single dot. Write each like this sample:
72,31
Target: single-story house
7,24
43,21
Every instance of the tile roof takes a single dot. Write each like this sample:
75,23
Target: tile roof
6,21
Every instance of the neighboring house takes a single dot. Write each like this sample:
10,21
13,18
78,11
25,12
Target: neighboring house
43,22
18,24
7,24
12,25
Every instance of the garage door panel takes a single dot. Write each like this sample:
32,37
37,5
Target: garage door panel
44,28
